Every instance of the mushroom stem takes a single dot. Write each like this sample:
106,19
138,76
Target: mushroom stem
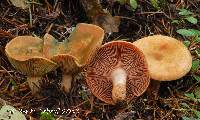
119,77
34,83
66,82
153,89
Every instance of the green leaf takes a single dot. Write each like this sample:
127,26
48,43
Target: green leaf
184,12
14,83
190,95
198,39
185,32
185,105
196,77
122,1
175,22
195,65
191,19
197,92
133,4
197,51
196,32
197,113
154,3
188,32
46,116
83,95
187,43
186,118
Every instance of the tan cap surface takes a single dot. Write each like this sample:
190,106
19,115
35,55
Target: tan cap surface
78,49
108,58
168,59
25,54
84,41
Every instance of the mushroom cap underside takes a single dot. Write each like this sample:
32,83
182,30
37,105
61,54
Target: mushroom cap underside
111,56
168,58
25,54
67,62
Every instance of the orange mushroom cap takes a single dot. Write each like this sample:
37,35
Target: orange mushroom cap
74,53
113,61
168,58
78,49
26,54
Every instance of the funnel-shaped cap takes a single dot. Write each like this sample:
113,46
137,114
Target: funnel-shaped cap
26,54
78,49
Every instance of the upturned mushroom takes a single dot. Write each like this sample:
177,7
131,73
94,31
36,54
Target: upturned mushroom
168,58
25,53
118,72
73,53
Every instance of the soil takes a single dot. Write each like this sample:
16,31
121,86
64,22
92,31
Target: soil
57,17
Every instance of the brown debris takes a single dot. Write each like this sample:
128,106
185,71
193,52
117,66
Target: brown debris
59,20
100,17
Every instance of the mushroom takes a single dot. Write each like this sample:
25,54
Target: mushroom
118,72
26,55
168,58
74,53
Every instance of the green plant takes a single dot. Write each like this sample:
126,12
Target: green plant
13,82
193,97
186,15
133,3
194,36
187,108
195,67
154,3
46,116
83,94
189,33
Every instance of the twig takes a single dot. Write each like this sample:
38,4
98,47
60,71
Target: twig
8,21
30,16
48,28
80,104
26,95
152,13
6,12
6,34
7,71
4,71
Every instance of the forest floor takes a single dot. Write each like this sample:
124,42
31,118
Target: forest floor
176,100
